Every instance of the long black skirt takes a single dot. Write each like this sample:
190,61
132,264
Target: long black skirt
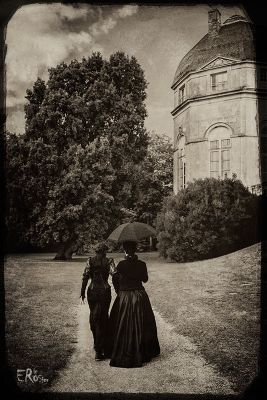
98,320
133,330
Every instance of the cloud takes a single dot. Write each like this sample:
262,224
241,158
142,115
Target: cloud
36,38
41,36
71,12
159,118
127,11
15,121
105,24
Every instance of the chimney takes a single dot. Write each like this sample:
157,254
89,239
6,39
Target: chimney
214,22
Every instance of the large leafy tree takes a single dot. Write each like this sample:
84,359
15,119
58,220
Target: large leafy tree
151,182
154,179
84,133
16,204
92,98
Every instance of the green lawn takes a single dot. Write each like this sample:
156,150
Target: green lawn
41,301
215,303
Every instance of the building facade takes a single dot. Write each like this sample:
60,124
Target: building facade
219,89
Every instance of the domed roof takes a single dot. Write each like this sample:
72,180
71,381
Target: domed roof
234,40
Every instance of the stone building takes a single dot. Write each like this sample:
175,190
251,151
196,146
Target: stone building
219,89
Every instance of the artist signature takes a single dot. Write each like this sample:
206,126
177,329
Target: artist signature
30,375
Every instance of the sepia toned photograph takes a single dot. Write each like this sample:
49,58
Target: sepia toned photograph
135,179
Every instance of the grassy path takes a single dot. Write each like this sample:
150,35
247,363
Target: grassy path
179,369
207,314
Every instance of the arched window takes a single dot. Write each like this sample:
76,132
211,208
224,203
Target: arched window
181,163
263,153
219,149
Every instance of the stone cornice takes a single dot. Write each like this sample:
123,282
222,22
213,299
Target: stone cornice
229,93
204,69
203,139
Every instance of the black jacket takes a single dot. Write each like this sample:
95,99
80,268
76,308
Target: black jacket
103,264
129,274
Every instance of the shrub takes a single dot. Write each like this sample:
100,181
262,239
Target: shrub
208,218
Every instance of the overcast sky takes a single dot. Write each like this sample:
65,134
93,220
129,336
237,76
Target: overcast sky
41,36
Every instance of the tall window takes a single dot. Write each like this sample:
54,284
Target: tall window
181,169
219,81
263,154
176,99
182,94
219,145
214,159
181,163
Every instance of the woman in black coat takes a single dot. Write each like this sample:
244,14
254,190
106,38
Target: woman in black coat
133,331
97,270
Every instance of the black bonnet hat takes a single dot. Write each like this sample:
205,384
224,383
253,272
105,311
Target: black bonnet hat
101,248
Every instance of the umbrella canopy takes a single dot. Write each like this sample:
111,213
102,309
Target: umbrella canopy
132,231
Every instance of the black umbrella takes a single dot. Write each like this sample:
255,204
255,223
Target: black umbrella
132,231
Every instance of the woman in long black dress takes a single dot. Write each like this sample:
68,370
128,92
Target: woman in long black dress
133,330
97,270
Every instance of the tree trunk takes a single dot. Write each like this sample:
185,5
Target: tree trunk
79,251
69,252
60,253
65,251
